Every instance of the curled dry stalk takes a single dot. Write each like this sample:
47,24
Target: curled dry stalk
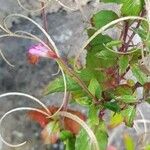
58,112
46,3
39,40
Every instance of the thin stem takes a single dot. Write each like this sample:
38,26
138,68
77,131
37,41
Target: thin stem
73,75
125,34
133,34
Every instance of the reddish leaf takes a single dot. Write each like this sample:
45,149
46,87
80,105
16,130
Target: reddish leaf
69,124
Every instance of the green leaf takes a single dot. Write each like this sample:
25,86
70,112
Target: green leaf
140,76
92,62
95,88
65,134
98,41
114,43
123,90
129,142
106,55
129,115
113,106
132,7
70,144
123,63
126,98
82,141
101,135
116,120
93,115
57,85
84,101
103,17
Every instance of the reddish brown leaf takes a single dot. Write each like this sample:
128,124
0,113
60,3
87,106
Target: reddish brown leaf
69,124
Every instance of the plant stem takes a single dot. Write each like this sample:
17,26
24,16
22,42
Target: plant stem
133,34
126,27
73,75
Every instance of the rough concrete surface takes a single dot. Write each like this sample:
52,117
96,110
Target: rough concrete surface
67,29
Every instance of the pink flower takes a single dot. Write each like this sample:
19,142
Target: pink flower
39,50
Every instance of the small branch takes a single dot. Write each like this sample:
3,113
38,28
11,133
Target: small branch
125,34
133,34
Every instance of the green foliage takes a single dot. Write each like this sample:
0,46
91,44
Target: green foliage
70,144
123,63
127,99
101,135
94,88
108,61
102,18
58,85
129,115
130,5
64,135
113,106
140,76
82,141
93,115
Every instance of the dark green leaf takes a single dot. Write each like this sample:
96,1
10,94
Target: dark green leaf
113,106
103,17
70,144
65,134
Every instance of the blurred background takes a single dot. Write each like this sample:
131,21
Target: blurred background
68,30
